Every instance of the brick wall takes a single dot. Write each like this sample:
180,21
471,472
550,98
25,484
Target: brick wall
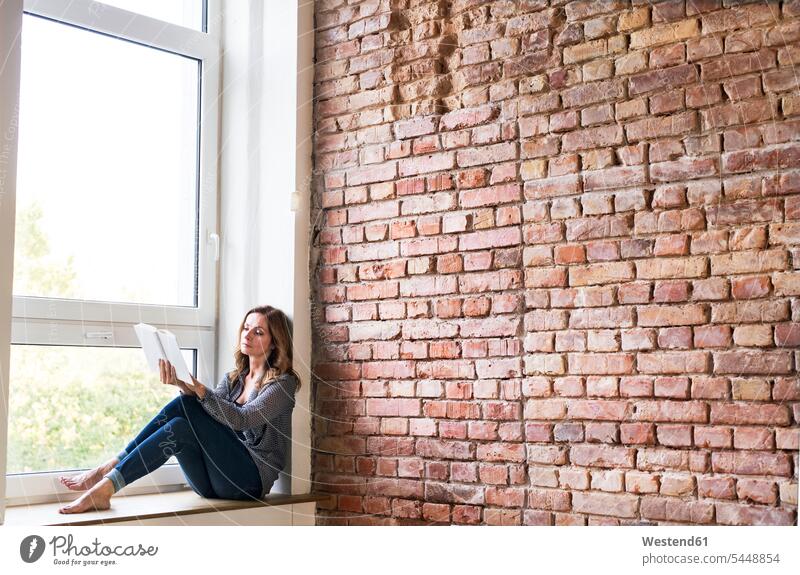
557,262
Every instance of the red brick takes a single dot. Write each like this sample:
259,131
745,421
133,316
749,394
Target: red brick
671,411
601,273
585,94
612,178
745,212
637,433
671,196
748,362
787,335
601,136
712,336
737,514
490,239
750,311
481,197
787,283
616,505
727,66
715,437
757,491
601,364
751,463
783,157
672,245
602,456
465,118
674,436
673,387
673,338
546,278
753,438
710,388
668,315
414,127
661,79
669,268
598,227
749,238
743,414
637,386
634,292
570,254
683,169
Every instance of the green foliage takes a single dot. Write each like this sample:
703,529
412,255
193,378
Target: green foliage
36,272
72,408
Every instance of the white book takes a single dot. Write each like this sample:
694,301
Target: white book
162,344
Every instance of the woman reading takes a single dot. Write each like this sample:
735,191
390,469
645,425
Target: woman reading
231,442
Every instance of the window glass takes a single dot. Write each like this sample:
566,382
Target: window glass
76,407
107,169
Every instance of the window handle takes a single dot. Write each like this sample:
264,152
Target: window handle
214,238
98,335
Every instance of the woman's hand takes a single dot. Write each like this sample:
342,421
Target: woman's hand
169,377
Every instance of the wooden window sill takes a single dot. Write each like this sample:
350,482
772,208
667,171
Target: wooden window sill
134,507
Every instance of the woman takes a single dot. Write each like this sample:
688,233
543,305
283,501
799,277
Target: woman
231,443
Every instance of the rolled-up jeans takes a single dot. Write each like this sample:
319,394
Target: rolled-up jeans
213,458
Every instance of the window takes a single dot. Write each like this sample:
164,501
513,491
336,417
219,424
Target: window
116,224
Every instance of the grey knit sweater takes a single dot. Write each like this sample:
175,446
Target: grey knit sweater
263,423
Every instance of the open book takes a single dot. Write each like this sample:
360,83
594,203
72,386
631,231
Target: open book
162,344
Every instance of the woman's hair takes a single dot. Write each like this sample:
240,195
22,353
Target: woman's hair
279,359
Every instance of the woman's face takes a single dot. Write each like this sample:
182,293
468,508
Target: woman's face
255,339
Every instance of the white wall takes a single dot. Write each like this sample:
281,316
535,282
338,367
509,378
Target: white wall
265,157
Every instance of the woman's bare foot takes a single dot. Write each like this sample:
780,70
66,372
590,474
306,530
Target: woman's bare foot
88,479
97,498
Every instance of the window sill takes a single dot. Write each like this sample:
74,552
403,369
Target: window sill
132,507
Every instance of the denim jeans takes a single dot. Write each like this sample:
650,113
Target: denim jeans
213,459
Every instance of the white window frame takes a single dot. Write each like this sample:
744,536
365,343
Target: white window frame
110,324
44,487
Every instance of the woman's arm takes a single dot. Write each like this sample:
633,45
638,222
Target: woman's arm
220,390
195,389
277,398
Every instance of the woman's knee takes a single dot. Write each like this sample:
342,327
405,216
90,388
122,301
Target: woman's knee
174,408
189,405
181,406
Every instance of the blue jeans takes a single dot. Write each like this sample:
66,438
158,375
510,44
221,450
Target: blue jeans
213,459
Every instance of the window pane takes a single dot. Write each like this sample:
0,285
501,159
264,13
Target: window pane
188,13
76,407
107,174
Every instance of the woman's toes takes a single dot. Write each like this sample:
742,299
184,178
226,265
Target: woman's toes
76,507
66,508
69,483
96,499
